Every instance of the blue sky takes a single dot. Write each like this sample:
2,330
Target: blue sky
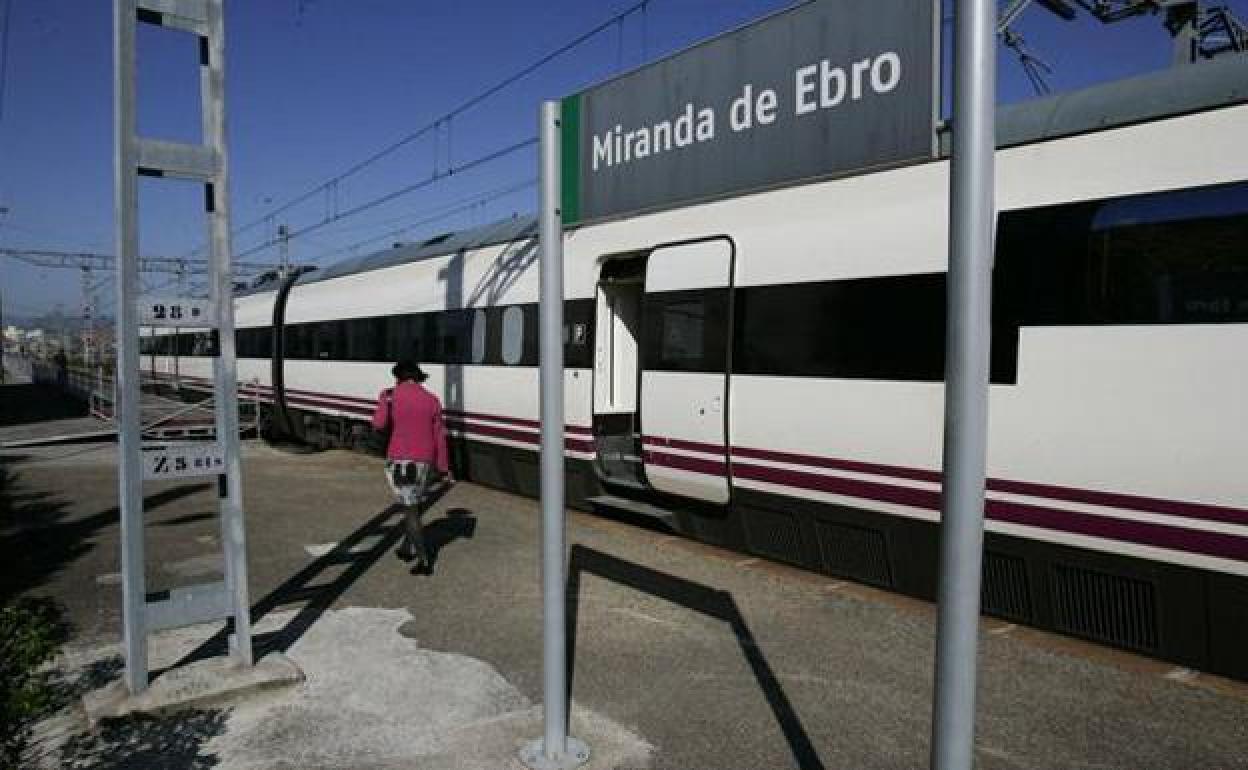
317,85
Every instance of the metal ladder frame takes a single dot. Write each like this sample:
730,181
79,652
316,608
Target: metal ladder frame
206,163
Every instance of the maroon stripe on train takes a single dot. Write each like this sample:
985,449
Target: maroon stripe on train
872,490
1178,508
355,399
493,430
580,445
685,463
1121,500
327,404
535,424
680,443
1219,544
448,412
451,420
314,396
857,466
532,439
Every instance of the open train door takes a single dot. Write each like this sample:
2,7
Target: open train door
684,378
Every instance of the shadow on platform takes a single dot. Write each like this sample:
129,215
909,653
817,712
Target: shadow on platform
39,536
315,589
708,601
147,743
29,403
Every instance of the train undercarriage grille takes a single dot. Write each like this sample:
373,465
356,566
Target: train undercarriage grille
854,552
1006,593
1103,607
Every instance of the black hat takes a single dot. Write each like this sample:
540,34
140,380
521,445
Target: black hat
408,370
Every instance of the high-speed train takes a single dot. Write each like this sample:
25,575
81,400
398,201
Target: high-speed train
764,372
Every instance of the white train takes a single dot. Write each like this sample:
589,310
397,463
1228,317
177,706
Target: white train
764,372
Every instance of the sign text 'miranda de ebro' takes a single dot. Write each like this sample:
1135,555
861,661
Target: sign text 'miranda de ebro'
826,88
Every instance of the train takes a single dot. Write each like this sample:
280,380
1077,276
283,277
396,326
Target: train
764,371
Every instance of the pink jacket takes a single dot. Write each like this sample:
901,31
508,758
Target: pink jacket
418,433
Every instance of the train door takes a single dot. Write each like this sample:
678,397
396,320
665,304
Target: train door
617,364
684,376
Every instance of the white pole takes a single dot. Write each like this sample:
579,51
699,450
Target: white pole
556,750
968,342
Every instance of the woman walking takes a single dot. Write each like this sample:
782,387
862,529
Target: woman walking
417,447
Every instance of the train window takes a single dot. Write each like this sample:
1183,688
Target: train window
258,342
404,335
450,334
687,331
205,344
886,328
244,341
1179,257
264,342
366,339
478,336
1159,258
184,344
513,334
299,341
326,340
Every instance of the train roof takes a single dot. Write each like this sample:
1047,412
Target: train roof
1167,93
503,231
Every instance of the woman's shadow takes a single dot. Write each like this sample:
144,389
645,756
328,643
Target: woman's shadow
458,523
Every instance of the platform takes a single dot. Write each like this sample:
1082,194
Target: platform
683,655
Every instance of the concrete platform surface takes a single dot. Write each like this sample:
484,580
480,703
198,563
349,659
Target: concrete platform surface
373,698
198,683
683,656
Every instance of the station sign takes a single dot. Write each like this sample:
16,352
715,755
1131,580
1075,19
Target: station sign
183,460
176,312
827,88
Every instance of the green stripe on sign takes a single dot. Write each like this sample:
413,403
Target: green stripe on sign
570,159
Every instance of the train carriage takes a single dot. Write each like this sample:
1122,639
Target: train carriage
765,371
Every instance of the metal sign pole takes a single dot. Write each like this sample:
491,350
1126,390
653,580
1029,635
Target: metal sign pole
556,750
126,403
968,342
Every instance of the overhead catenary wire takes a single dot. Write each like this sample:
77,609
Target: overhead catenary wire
391,221
330,187
437,215
434,177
